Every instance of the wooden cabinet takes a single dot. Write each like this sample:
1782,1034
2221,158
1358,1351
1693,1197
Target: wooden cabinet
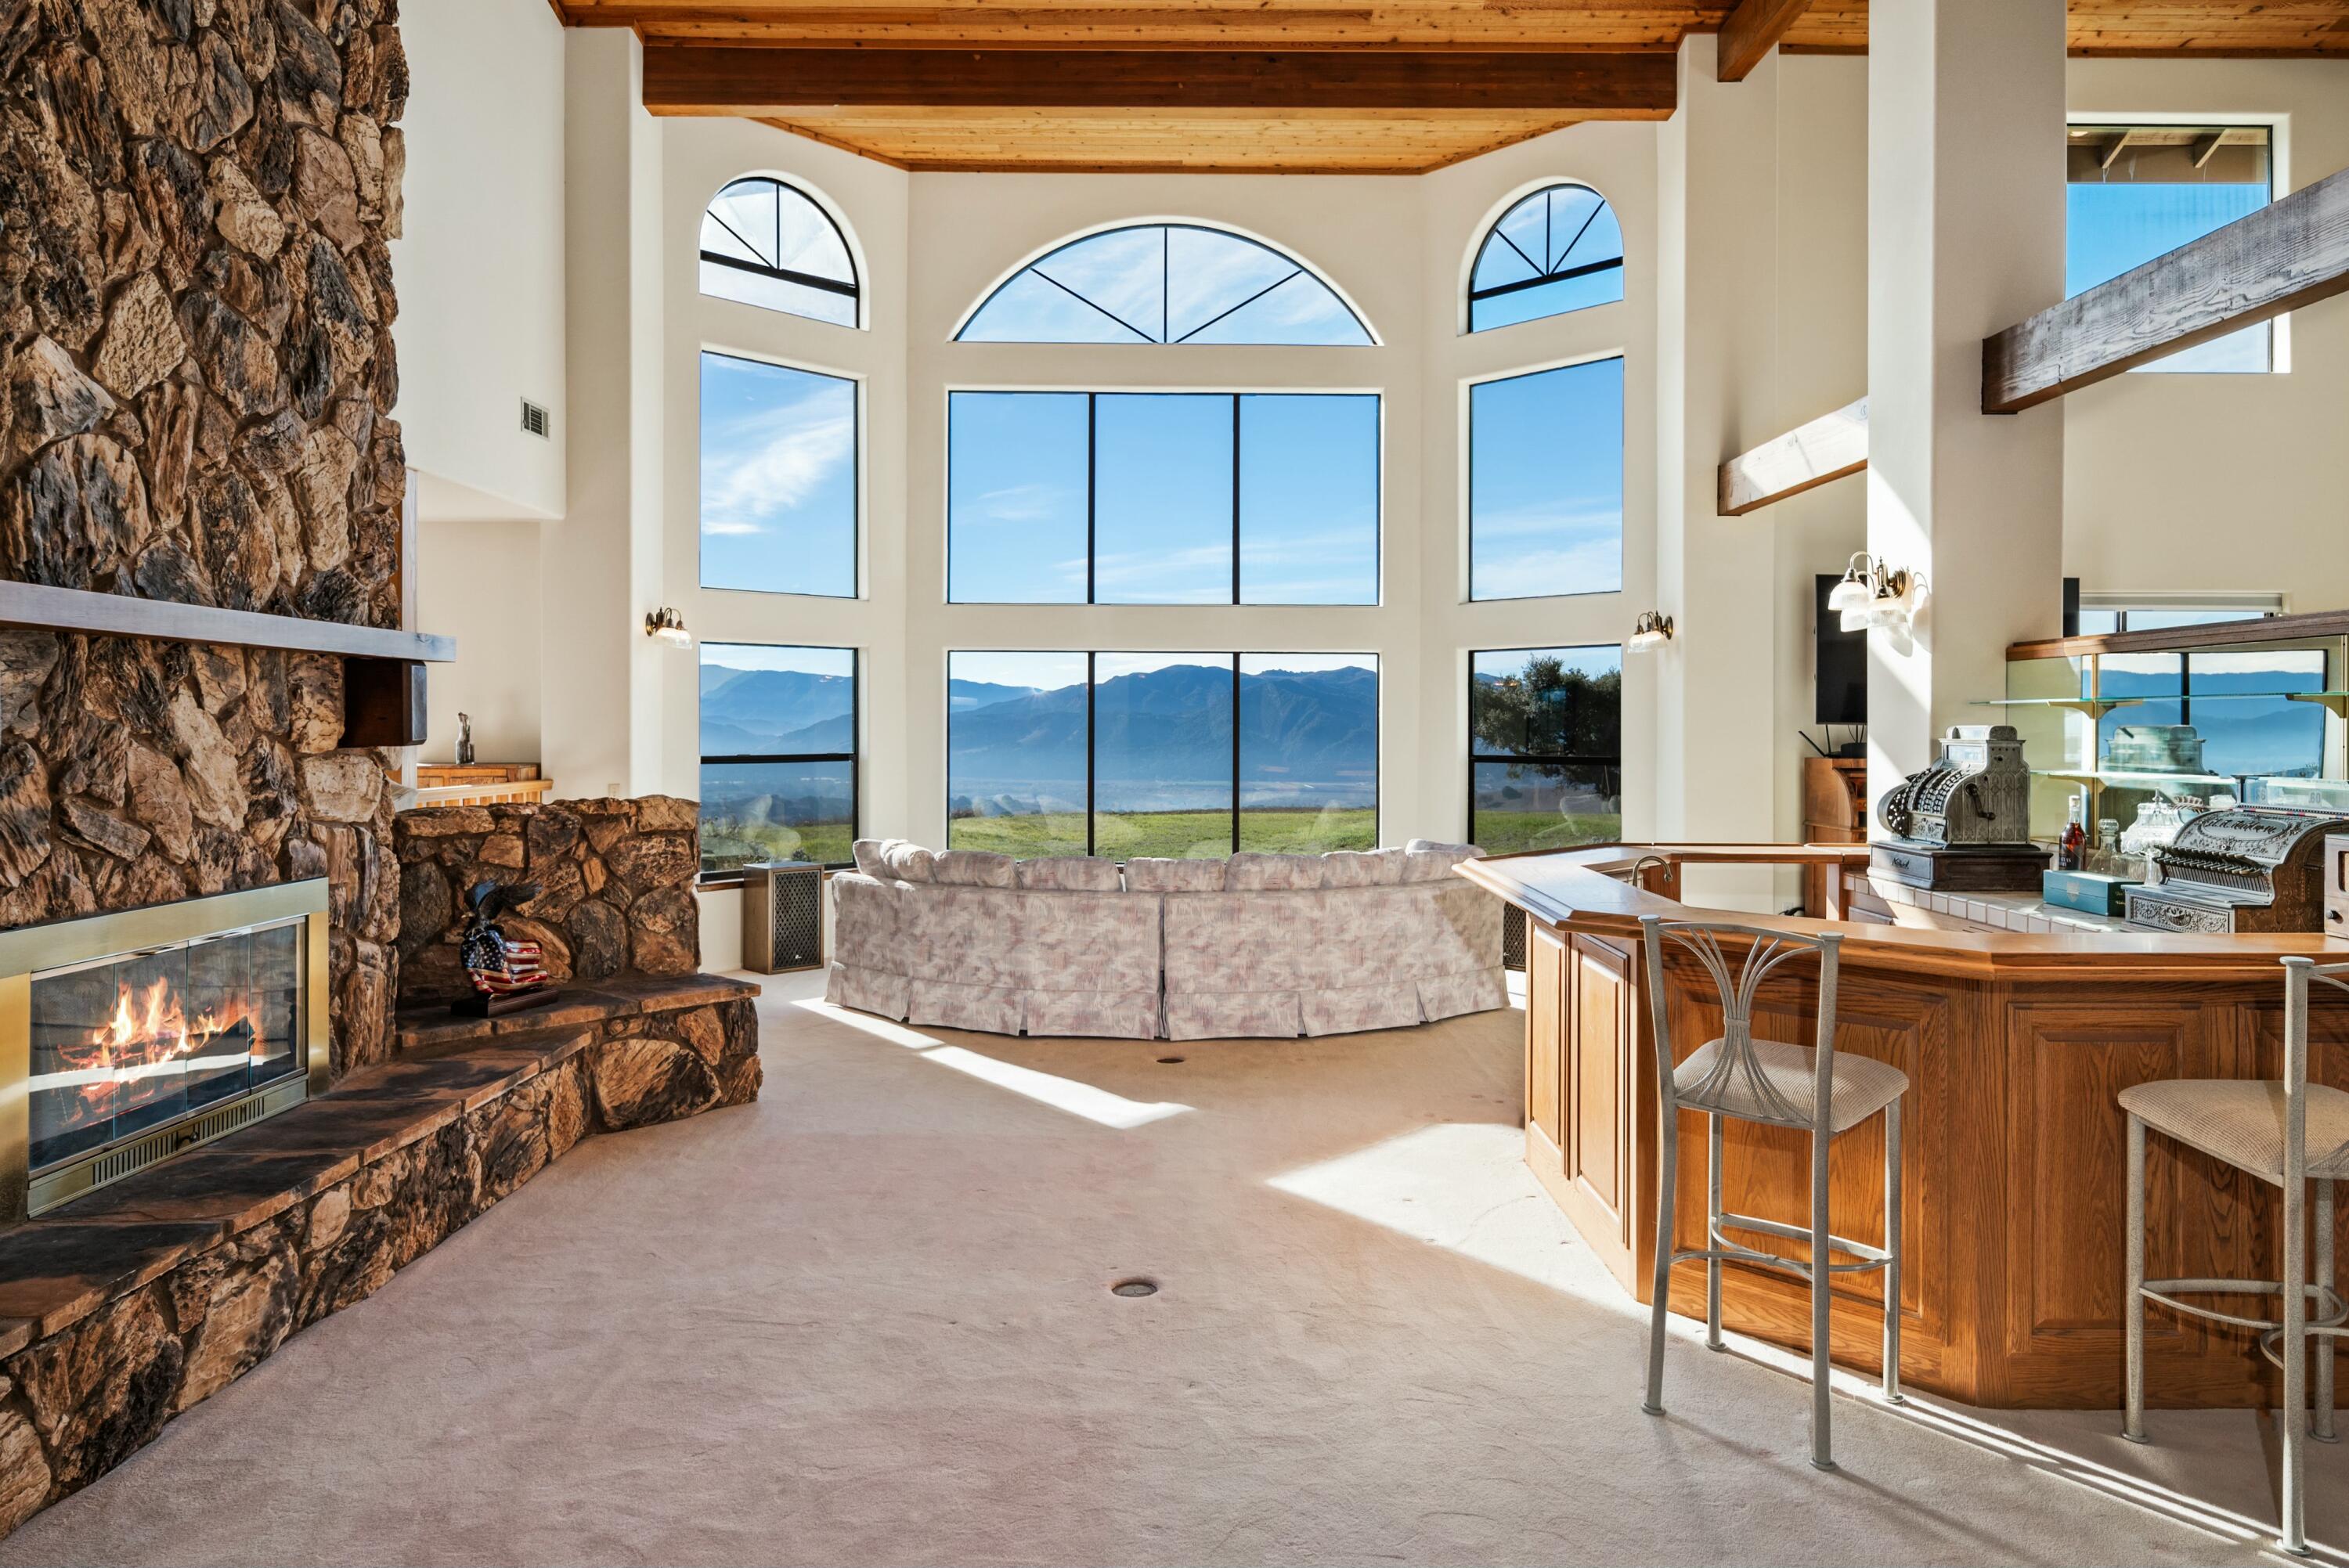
1582,1030
1835,811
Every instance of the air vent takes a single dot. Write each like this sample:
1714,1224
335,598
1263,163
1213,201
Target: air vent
535,420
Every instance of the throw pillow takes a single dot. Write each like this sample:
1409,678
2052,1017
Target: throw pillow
974,868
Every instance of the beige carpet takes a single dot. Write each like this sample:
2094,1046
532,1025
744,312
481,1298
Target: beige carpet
868,1321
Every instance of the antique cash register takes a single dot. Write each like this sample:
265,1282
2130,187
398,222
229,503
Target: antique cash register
1964,823
2241,870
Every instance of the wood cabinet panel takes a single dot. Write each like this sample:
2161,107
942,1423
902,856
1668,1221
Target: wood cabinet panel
1601,1065
1544,1032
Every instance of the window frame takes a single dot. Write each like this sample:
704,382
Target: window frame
854,757
1470,295
1092,657
2277,125
1141,339
1468,477
1468,716
856,501
854,289
1093,396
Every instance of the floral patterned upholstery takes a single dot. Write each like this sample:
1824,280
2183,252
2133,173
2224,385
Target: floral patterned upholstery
1220,962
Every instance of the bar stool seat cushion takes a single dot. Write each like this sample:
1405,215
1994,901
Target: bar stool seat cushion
1859,1089
2241,1121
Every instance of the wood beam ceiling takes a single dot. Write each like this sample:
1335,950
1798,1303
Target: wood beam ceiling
1752,31
1828,448
780,82
2289,254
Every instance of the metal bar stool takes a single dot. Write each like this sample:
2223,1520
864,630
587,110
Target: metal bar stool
2265,1129
1806,1086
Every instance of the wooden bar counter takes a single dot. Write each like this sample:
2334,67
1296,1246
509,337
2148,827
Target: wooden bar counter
2014,1045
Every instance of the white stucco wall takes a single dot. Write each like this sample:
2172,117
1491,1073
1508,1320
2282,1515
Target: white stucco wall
480,263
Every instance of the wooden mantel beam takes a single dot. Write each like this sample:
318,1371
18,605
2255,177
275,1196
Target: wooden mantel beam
1828,448
718,80
2289,254
1752,31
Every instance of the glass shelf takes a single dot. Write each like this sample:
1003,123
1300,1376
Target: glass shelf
2094,707
2128,778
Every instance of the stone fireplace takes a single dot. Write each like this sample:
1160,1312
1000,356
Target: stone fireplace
128,1039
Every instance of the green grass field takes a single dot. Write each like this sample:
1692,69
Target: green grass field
1506,833
726,844
1170,833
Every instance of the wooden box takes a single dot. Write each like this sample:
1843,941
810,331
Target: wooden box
2336,882
1973,868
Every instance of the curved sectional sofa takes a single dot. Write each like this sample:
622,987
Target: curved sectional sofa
1257,945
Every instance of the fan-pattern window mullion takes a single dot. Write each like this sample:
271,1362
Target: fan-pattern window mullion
1579,245
799,262
1166,284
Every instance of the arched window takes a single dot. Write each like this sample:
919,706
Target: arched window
1165,282
1558,250
766,243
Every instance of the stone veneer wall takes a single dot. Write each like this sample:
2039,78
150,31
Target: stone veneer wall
615,877
196,378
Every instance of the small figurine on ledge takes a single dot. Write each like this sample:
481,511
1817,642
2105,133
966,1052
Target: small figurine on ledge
464,740
508,975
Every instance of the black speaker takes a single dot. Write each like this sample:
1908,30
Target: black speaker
782,917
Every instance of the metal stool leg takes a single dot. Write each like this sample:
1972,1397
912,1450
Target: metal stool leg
1892,1251
1712,1340
2324,1431
1669,1159
2293,1419
1822,1440
2133,1305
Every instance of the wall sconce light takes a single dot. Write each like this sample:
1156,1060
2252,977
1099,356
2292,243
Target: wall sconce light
1873,594
669,627
1651,631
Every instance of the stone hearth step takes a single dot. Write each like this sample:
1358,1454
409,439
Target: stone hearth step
124,1307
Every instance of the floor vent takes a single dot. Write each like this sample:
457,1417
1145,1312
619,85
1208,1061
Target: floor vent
1135,1287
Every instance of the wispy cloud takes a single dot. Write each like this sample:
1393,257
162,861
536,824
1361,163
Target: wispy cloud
758,468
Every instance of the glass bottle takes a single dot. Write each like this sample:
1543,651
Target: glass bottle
2072,849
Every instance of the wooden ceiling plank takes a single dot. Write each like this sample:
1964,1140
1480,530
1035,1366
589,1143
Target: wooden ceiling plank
769,82
2290,254
1752,31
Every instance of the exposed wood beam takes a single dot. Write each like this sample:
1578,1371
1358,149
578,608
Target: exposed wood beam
1828,448
2113,146
774,82
1752,31
2289,254
2207,147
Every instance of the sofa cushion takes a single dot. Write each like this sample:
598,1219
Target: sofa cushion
902,862
973,868
1250,873
1426,861
1436,846
1150,874
868,857
1361,868
1069,873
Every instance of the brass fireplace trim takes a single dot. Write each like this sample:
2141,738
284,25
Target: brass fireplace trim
59,944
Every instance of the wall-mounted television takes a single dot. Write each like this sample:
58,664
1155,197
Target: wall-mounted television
1840,669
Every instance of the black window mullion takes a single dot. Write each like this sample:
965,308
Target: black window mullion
1092,422
1235,739
1092,742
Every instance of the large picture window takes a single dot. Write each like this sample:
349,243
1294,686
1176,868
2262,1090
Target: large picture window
778,755
1546,482
1165,282
1162,498
778,478
1162,754
1544,748
1557,251
2136,191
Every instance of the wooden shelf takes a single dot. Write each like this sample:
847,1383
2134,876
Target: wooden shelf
117,615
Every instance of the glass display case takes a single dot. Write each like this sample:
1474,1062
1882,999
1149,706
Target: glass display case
2156,727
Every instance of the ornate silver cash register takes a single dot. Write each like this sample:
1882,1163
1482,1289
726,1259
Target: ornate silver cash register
1963,823
2240,870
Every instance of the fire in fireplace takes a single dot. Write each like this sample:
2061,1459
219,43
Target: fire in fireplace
143,1034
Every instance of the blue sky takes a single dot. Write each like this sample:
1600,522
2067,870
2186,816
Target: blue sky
1546,482
2112,228
1307,496
1165,283
778,478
